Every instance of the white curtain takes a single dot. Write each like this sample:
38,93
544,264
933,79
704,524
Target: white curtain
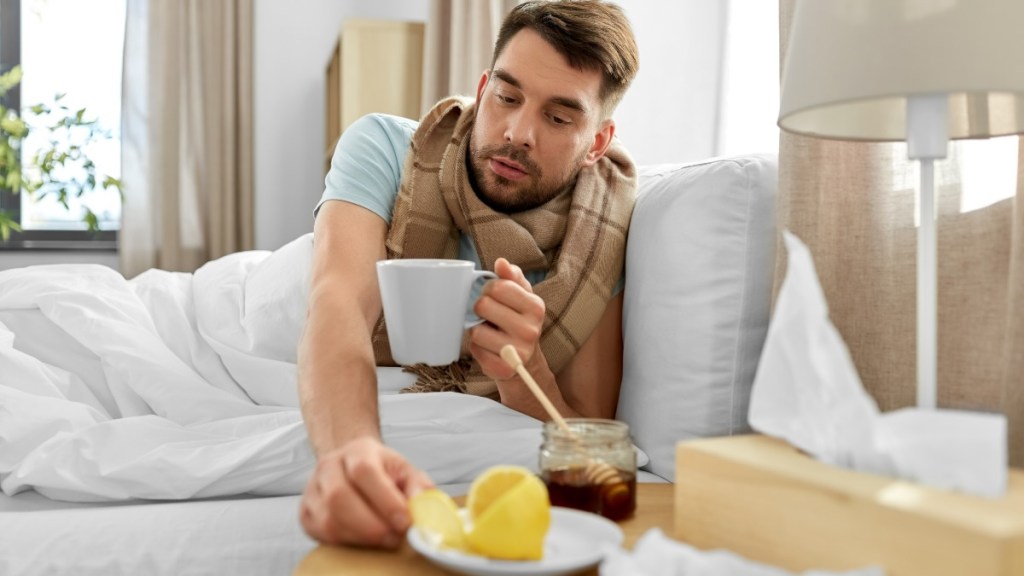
460,37
186,133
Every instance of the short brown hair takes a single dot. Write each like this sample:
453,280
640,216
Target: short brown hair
591,34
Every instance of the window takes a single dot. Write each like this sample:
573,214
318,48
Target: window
985,170
750,83
988,172
72,48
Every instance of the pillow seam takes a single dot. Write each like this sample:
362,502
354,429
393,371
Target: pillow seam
744,300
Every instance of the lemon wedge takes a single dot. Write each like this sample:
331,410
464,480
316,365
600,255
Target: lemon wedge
436,516
510,513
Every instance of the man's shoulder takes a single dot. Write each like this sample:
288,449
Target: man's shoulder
399,127
376,137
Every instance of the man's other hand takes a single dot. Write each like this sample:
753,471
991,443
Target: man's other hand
514,315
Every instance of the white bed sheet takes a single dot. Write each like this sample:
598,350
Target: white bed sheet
250,535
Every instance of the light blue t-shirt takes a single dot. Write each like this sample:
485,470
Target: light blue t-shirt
366,170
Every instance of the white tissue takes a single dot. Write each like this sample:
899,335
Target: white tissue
657,555
808,393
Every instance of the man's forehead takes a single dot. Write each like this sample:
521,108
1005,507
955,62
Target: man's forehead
529,62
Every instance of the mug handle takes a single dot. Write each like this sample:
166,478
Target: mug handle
471,318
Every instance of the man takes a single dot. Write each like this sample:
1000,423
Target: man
531,171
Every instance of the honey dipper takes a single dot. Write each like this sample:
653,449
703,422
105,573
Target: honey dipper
596,472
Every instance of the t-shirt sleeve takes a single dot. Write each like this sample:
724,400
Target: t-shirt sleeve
366,168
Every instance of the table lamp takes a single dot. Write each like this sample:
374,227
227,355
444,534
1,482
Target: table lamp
920,71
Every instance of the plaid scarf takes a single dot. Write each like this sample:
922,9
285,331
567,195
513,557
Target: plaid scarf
579,237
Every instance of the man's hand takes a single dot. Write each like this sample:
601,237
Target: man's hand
514,315
358,495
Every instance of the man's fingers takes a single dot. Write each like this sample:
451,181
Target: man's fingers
335,512
315,517
509,271
378,487
323,521
414,481
489,341
358,495
362,524
491,362
519,313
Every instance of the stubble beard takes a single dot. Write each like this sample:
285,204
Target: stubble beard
507,196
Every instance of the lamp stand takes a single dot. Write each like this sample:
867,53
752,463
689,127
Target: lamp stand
927,139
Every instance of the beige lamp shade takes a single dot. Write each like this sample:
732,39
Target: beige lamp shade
851,64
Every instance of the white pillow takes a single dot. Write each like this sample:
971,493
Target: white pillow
699,273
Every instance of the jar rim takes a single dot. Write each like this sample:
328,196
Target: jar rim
588,428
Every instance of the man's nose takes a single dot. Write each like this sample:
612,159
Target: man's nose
520,130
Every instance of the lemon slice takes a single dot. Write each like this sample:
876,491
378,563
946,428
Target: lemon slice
510,512
436,516
490,485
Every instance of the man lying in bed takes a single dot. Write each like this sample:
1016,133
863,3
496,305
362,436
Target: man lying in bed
534,156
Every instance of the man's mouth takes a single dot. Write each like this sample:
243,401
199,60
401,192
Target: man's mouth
507,168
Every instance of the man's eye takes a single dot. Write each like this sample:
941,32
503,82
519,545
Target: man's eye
506,99
559,120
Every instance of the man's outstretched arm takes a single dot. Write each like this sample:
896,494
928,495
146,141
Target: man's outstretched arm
357,493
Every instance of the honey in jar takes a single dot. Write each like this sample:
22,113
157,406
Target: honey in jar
591,467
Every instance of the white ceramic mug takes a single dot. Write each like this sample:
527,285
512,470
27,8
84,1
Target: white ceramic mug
427,308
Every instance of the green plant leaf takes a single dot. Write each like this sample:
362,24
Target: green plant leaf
69,134
13,181
13,125
7,224
10,79
91,220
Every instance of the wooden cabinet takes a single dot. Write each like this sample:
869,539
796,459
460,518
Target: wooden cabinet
377,66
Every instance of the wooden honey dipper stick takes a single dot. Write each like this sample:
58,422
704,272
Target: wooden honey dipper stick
597,471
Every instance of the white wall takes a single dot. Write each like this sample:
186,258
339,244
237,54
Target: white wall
293,43
670,113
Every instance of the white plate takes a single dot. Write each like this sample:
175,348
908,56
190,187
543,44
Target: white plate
575,541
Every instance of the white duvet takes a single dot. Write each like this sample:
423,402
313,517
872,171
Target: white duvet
176,386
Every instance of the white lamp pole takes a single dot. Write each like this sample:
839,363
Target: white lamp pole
927,140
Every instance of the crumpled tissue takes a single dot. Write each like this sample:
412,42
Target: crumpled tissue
808,393
658,555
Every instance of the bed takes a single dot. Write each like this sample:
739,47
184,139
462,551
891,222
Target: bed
151,426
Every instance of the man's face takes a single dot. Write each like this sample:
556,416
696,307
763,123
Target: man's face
537,124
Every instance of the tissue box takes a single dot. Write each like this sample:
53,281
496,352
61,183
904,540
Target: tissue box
763,499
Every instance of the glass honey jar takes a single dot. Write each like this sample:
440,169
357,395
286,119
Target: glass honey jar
591,466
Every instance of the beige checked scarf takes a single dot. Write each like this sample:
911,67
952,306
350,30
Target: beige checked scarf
580,238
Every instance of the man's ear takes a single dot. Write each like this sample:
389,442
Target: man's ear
602,140
481,85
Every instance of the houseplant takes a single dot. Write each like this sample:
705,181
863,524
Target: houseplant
61,168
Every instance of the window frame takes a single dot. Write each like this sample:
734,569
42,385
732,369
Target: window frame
100,240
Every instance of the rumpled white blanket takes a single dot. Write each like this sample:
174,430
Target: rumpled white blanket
176,386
